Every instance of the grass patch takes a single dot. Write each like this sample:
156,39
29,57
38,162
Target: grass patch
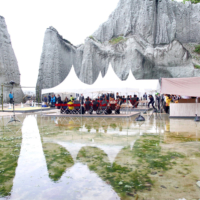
114,126
149,152
91,37
197,66
122,178
9,153
197,49
117,40
58,159
92,167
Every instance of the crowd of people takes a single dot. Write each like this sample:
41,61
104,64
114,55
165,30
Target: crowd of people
105,102
108,100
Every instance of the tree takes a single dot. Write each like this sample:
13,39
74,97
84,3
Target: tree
193,1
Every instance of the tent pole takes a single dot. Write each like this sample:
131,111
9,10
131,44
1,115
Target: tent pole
2,96
41,104
196,118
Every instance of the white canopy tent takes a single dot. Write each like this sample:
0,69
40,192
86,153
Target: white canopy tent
71,84
109,84
140,86
151,85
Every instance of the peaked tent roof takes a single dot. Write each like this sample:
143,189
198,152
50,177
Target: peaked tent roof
130,77
110,83
133,85
130,84
71,84
181,86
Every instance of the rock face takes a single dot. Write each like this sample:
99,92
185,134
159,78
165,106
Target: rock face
157,21
145,36
9,69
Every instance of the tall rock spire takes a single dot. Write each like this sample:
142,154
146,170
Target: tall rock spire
9,69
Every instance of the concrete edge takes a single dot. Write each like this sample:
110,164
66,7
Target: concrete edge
93,116
27,111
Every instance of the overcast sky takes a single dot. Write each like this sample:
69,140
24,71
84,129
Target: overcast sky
27,21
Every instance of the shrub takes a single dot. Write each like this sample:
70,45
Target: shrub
117,40
192,1
197,66
197,49
91,37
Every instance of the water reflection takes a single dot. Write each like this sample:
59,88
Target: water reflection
63,158
32,177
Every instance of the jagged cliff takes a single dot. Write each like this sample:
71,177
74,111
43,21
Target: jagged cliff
9,69
150,37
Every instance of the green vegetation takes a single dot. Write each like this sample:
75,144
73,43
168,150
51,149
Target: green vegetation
122,178
91,37
117,40
197,49
114,126
140,181
148,152
181,138
193,1
57,159
9,152
134,175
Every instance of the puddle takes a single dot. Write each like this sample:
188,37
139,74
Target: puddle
98,158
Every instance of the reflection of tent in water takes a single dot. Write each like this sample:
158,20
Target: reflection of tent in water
36,179
74,149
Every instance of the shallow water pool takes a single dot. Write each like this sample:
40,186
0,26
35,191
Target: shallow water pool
99,158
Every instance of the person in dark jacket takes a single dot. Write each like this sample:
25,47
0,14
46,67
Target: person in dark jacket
151,101
158,98
45,100
49,97
117,95
112,95
108,96
96,103
88,106
120,102
59,99
145,96
81,99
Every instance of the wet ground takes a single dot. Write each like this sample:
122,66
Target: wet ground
99,159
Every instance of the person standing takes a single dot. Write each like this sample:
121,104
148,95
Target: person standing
45,100
158,100
145,96
59,101
151,101
81,99
168,100
11,97
53,101
49,98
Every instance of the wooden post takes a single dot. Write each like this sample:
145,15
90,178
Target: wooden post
2,96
